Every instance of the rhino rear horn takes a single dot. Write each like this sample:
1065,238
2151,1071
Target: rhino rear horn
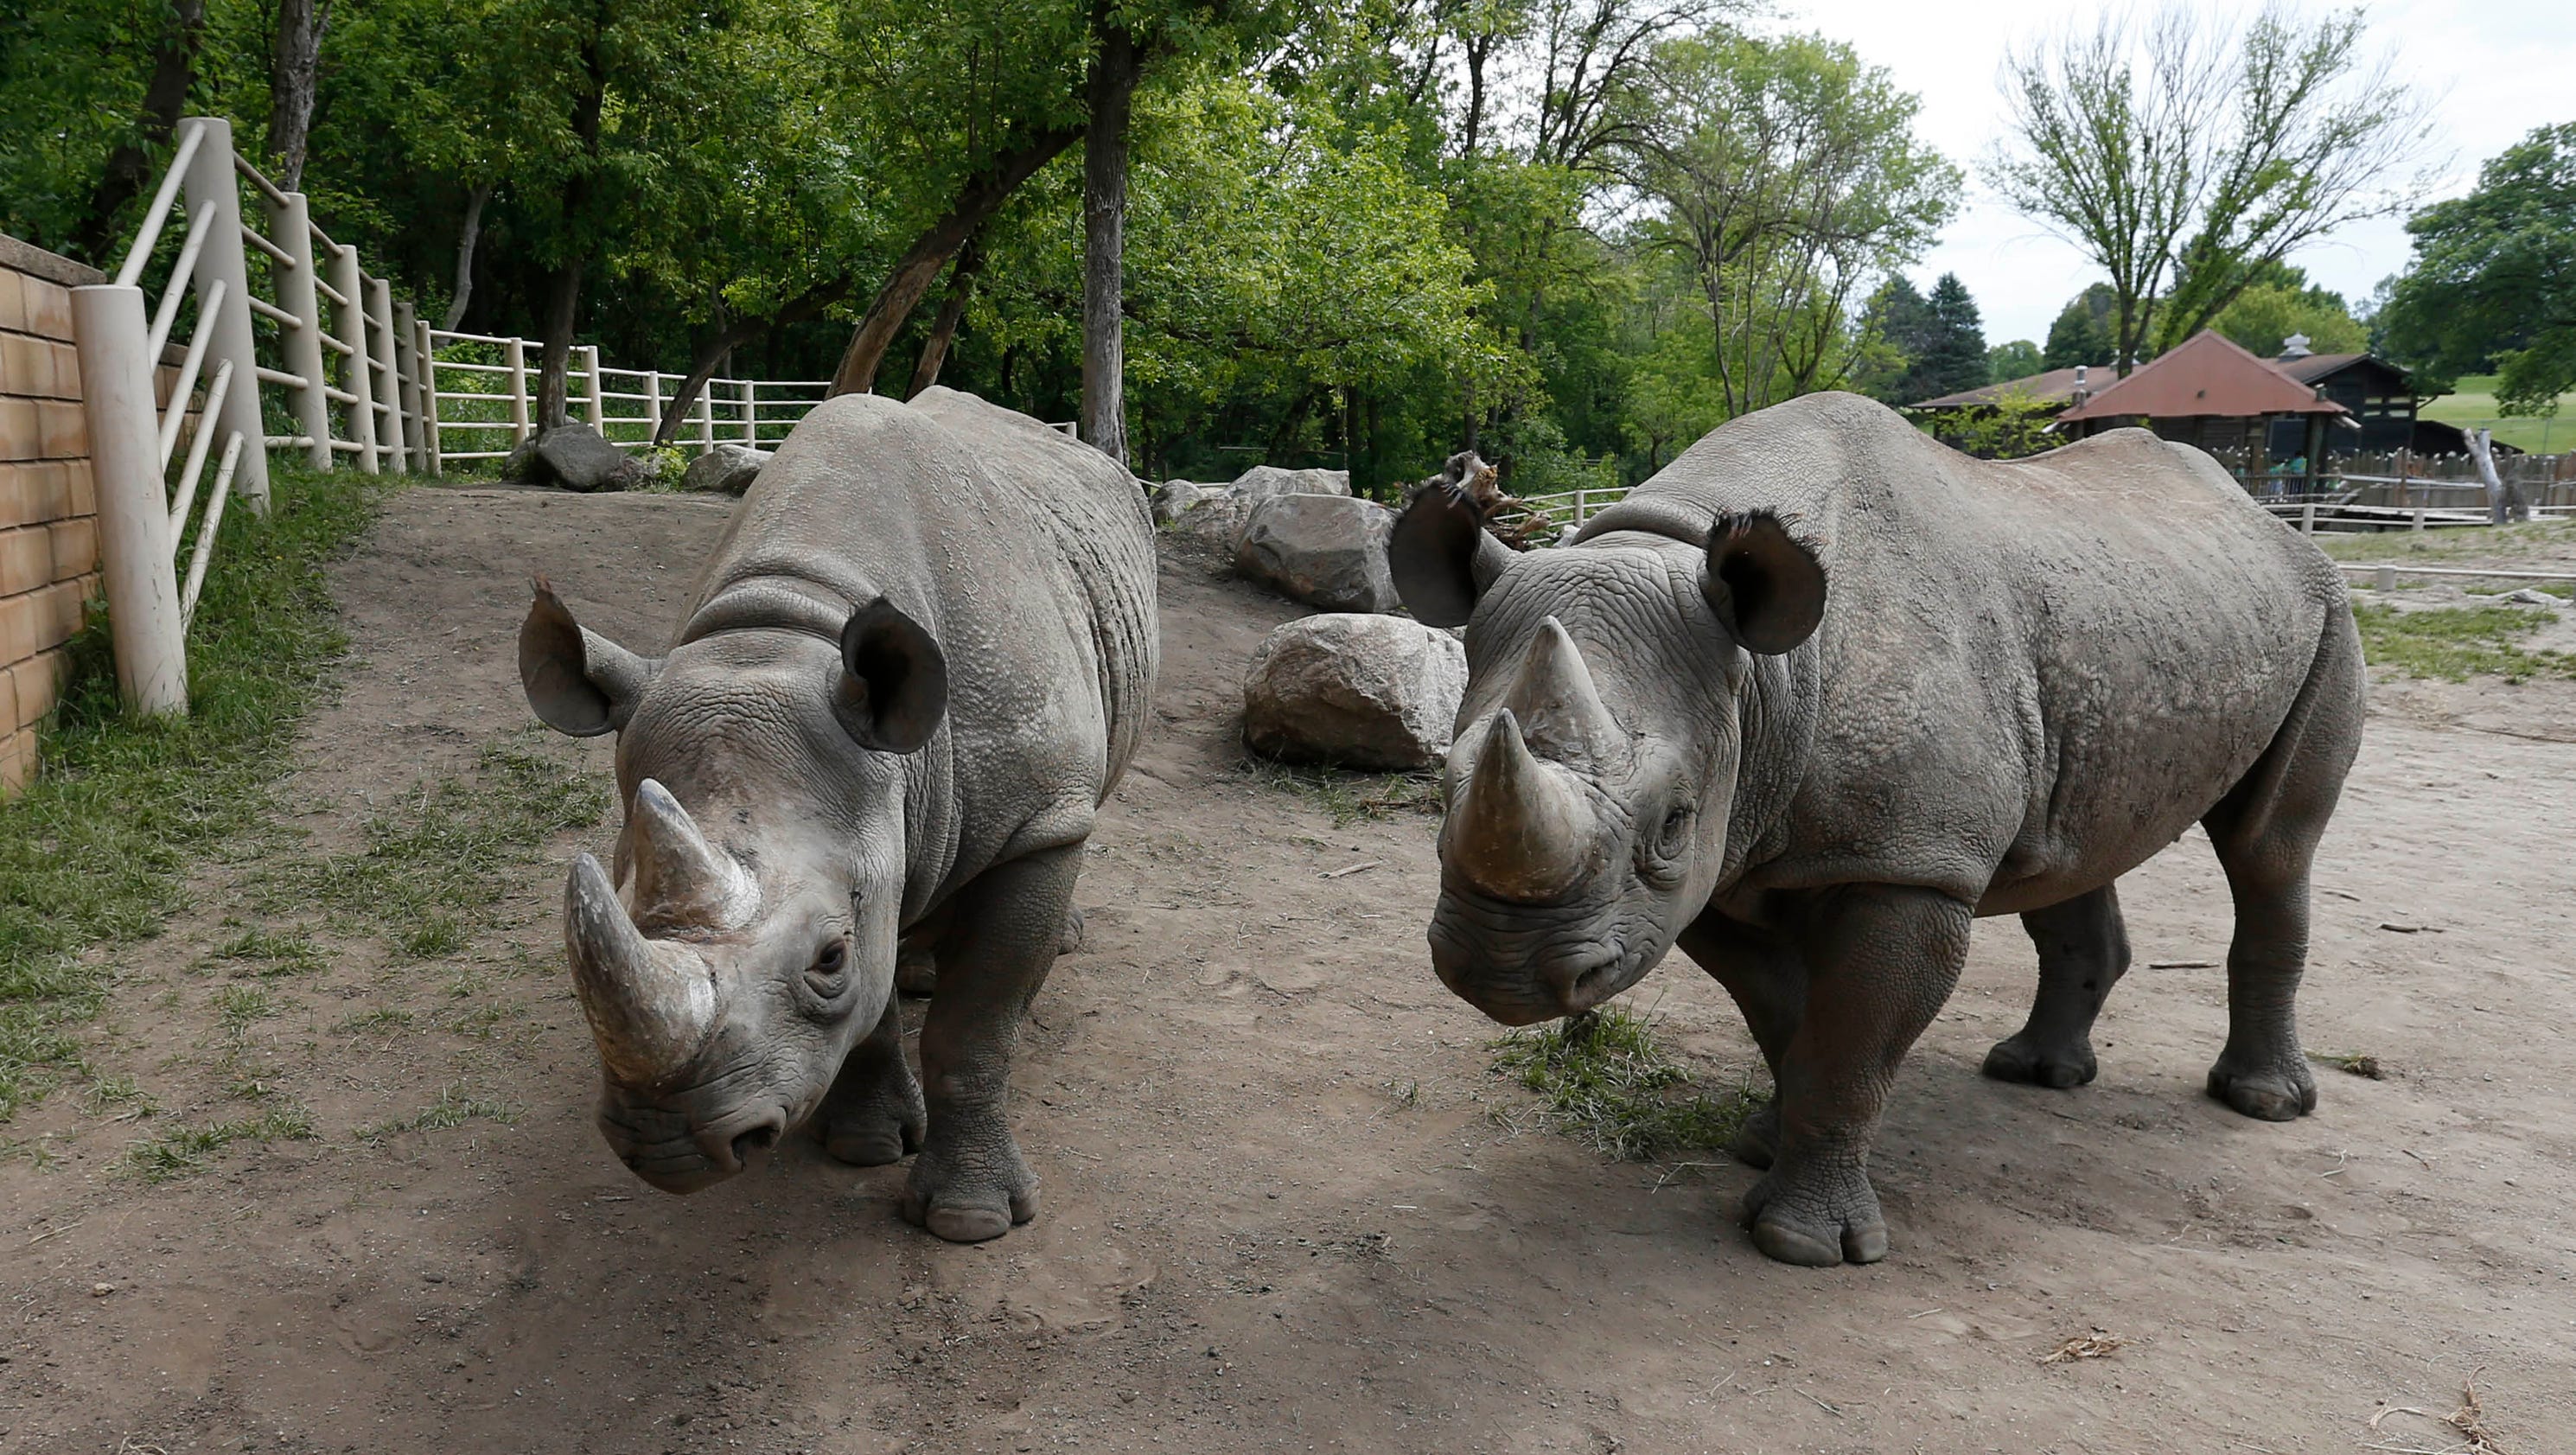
894,679
578,682
1767,588
1560,711
650,1003
681,879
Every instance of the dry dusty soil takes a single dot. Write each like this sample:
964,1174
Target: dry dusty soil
1288,1206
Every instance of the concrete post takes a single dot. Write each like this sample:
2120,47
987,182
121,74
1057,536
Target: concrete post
350,283
595,409
133,515
515,354
653,403
751,413
290,226
391,426
429,441
2387,581
211,178
707,419
407,368
2308,519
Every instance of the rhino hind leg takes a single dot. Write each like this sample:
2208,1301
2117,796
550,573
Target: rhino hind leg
2265,832
1768,983
873,1114
2083,952
970,1182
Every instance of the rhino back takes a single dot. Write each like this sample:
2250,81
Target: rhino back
1015,546
2030,674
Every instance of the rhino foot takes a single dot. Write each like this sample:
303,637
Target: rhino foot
1757,1142
1817,1214
2273,1091
971,1194
2032,1061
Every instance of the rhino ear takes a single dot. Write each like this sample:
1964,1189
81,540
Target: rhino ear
894,679
1442,557
1766,588
577,681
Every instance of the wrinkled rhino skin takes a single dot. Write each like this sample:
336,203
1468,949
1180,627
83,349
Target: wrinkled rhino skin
917,662
1822,692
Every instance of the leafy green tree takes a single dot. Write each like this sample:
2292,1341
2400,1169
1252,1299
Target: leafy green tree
2018,359
2281,302
2082,332
1896,328
2493,280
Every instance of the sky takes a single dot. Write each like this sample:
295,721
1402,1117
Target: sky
2493,68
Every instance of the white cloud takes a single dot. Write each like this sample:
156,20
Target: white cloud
2496,68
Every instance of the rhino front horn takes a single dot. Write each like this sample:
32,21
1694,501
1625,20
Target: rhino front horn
680,878
1524,832
650,1003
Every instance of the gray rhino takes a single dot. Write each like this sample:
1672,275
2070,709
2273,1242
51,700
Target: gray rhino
1822,692
919,659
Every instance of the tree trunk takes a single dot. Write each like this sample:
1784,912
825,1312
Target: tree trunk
1114,73
165,96
943,329
977,201
466,236
711,355
2503,501
563,301
294,62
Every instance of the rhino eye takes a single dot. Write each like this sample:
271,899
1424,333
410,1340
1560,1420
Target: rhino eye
1676,832
824,976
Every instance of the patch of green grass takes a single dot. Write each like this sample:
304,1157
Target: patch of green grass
183,1151
96,850
267,953
2457,643
444,854
376,1022
115,1092
236,1006
2462,546
1603,1081
1348,797
453,1108
2472,402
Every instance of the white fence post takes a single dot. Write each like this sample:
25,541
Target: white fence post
653,403
707,419
597,408
407,371
210,178
751,413
291,224
515,354
351,285
392,428
133,515
429,443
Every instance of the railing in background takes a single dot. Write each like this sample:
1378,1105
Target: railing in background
364,380
1573,507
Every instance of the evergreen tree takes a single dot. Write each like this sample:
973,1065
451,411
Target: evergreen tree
1953,353
1898,324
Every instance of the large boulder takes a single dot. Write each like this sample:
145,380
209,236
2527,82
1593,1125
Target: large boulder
1355,690
1213,525
1176,498
1262,481
724,470
1328,551
577,458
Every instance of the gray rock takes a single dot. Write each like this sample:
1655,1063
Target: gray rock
1263,481
575,457
522,467
1324,550
1175,498
1214,526
724,470
1354,689
2529,596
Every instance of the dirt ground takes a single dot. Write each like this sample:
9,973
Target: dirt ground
1287,1206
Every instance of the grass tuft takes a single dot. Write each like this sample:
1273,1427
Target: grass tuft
1604,1081
453,1108
268,953
95,851
1348,797
2456,643
183,1151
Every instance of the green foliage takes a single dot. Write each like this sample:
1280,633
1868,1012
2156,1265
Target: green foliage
454,1108
2280,302
177,1153
1348,797
2457,643
2493,281
2018,359
2014,426
94,851
1603,1081
2081,332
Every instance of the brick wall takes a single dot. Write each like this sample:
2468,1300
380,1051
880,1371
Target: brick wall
48,508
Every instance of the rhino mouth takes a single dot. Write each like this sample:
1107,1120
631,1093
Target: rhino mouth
678,1154
1546,976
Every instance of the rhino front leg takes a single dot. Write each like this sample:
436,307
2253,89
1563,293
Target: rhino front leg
970,1182
873,1114
1768,983
2083,952
1881,959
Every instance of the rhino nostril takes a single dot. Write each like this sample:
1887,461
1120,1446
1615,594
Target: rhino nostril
758,1139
